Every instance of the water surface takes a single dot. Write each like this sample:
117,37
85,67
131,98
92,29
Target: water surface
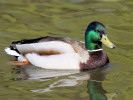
27,19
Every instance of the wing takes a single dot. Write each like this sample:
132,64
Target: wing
45,48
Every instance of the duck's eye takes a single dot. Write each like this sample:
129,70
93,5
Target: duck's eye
95,30
102,32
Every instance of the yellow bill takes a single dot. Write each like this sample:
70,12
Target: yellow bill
106,42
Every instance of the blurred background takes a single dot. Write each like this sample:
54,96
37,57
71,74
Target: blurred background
27,19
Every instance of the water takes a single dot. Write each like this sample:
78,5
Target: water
26,19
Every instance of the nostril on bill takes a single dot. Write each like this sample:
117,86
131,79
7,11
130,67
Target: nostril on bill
113,46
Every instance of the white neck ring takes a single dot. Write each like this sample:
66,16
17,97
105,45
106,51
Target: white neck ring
95,50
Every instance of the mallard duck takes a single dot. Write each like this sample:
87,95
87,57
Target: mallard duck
63,52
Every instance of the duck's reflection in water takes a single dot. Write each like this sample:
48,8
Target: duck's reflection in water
94,80
45,74
94,86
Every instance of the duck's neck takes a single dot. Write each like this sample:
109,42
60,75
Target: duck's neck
90,44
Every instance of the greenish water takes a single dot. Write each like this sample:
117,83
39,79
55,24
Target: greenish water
25,19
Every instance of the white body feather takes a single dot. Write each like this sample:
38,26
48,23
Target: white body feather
62,61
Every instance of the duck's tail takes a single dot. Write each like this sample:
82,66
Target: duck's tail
12,52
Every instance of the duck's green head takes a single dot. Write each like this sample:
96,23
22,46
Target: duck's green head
95,35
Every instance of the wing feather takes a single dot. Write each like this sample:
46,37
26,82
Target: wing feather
45,48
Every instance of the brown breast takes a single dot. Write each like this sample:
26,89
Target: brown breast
97,59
